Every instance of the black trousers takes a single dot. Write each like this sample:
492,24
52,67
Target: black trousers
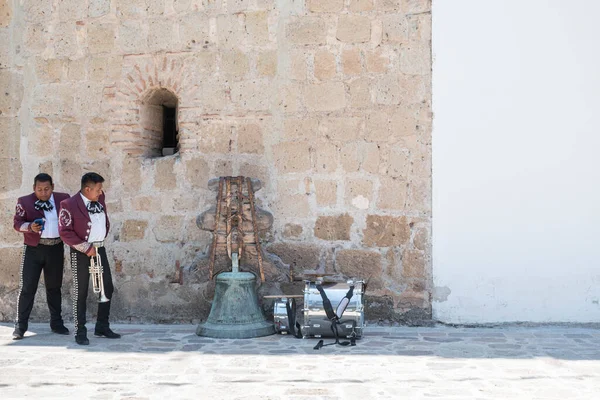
80,265
36,259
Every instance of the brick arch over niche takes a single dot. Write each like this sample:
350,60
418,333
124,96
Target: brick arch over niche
133,103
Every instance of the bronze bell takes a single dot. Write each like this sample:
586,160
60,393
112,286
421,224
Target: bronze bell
235,313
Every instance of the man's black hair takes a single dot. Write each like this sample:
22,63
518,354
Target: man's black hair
91,178
42,178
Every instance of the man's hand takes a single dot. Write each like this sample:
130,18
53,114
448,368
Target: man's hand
36,227
91,252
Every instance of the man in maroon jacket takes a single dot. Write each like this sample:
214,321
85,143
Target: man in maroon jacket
83,225
43,250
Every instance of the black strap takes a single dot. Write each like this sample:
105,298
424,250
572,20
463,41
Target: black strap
294,327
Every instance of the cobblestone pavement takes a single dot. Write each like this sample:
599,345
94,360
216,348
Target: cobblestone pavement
170,361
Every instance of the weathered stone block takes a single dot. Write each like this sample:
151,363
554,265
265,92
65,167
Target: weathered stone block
12,95
300,128
341,129
325,5
257,27
377,61
298,67
292,156
419,196
7,234
360,93
133,36
146,203
359,263
11,262
53,99
165,177
161,34
360,5
388,5
370,154
395,28
131,8
133,229
71,10
416,6
387,91
350,157
98,8
76,69
335,227
377,127
97,143
252,95
392,194
250,139
422,239
64,40
181,5
329,96
292,231
197,172
37,11
413,264
415,58
397,163
359,193
10,137
324,65
288,99
299,256
12,173
194,30
266,65
353,28
168,228
213,137
234,63
230,30
6,13
131,177
307,30
70,141
155,7
326,191
326,159
351,62
70,174
385,231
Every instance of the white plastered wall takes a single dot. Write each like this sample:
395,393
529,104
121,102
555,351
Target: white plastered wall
516,169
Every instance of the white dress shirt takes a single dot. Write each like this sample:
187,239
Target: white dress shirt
98,228
51,225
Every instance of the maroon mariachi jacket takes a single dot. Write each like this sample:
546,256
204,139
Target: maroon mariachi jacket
25,214
74,222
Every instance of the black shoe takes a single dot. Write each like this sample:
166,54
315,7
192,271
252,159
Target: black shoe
107,333
61,330
82,339
18,334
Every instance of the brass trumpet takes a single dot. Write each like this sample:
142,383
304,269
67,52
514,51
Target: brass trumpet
96,273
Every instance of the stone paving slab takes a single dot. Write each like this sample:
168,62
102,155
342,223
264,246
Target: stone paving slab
170,361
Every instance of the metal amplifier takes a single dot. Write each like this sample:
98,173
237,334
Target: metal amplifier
351,323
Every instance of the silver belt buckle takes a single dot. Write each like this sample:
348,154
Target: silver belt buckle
50,241
98,244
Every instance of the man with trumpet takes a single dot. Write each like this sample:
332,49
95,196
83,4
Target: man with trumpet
83,225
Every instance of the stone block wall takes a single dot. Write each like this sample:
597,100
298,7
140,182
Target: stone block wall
327,102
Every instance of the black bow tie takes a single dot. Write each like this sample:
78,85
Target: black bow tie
43,205
94,207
